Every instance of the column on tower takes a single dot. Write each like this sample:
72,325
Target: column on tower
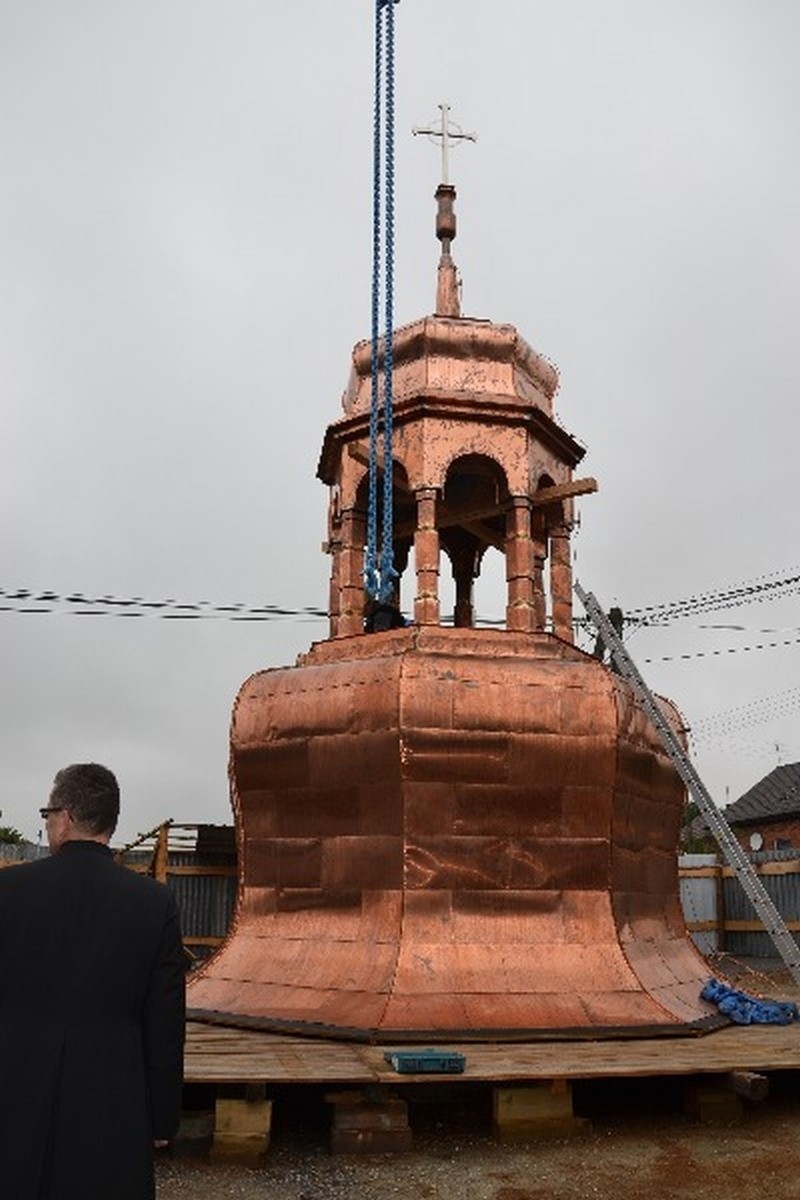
539,540
520,566
561,577
426,558
464,560
333,546
348,573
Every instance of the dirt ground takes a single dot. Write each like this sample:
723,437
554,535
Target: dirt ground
640,1145
631,1154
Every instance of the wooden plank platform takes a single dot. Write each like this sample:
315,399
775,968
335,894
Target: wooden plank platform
215,1054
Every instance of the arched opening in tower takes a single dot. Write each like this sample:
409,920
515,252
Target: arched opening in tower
471,520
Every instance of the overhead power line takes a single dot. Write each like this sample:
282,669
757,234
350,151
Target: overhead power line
754,591
25,600
756,712
31,601
726,651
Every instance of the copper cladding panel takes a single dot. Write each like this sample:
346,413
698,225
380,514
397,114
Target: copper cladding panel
447,832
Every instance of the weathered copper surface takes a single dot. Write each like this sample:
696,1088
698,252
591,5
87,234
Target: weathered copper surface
452,832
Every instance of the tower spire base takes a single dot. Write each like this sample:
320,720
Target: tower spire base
448,300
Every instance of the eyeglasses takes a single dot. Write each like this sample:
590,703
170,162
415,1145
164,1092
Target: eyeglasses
44,813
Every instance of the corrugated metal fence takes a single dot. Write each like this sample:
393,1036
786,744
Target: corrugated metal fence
717,912
205,897
27,852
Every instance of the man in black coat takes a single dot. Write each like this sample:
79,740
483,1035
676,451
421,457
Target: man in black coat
91,1009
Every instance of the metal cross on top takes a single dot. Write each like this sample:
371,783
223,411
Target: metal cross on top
447,133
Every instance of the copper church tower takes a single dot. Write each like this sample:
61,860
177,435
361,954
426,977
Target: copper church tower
447,831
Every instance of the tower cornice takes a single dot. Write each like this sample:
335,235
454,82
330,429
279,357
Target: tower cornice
459,406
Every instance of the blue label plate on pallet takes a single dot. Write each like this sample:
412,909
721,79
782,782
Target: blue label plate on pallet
426,1062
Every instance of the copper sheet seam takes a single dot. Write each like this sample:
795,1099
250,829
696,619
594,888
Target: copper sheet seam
376,1036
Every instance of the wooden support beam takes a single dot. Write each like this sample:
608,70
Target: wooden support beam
466,516
160,860
472,518
734,925
484,534
719,905
563,491
786,866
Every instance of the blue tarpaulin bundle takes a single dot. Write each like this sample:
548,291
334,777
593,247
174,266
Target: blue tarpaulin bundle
749,1010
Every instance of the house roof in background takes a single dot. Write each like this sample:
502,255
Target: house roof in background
776,795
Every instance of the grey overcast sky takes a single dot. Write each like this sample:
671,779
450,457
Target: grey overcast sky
185,238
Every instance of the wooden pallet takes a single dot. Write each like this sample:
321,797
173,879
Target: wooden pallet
215,1054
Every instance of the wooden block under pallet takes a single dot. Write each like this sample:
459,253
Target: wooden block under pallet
712,1103
241,1127
195,1133
368,1124
540,1110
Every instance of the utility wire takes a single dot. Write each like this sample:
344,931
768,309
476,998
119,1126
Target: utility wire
31,601
726,651
731,721
25,600
764,587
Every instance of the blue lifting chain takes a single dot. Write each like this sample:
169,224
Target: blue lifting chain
379,577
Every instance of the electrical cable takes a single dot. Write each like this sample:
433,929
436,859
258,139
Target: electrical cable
29,602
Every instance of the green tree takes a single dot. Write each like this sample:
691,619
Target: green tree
11,836
700,841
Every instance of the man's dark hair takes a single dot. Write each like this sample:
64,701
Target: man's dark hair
90,793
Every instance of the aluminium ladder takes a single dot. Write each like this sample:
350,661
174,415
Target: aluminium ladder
735,856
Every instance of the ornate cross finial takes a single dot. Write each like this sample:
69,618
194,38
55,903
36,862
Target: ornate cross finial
447,133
